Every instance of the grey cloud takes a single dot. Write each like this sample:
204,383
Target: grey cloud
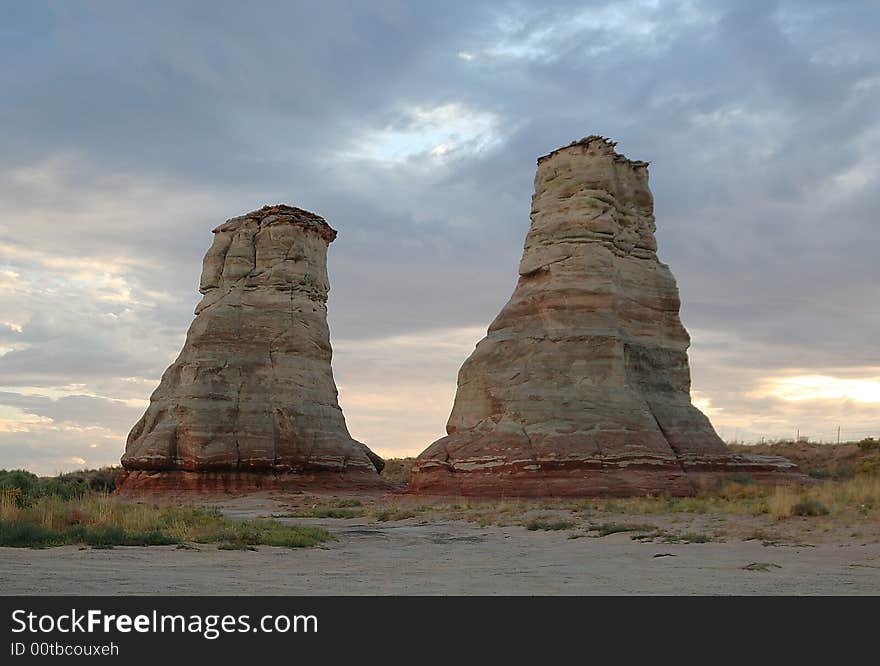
50,452
154,123
80,409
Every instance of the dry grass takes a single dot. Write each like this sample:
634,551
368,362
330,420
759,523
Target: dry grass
549,524
823,461
772,514
857,496
105,521
398,469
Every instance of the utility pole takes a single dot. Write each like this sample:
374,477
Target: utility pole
838,435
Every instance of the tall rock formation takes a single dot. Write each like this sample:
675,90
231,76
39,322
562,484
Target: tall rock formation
582,384
251,401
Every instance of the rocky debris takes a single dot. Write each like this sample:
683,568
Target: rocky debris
582,385
252,394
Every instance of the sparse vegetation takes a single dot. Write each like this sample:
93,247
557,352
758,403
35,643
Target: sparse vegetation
860,495
38,513
761,566
25,487
828,504
394,513
687,537
344,508
810,507
823,461
322,512
869,444
398,469
66,509
549,525
869,467
605,529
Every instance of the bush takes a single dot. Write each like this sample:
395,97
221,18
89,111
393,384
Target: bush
101,480
398,469
810,507
27,535
604,529
17,484
245,535
61,487
386,515
547,525
869,444
110,536
26,487
336,513
871,466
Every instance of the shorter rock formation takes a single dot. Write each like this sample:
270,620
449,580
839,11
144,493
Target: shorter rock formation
251,403
582,386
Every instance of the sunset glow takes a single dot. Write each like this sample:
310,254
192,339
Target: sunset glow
823,387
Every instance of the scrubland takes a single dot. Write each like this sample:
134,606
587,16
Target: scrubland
80,509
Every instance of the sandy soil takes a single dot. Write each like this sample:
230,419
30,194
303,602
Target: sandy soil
438,557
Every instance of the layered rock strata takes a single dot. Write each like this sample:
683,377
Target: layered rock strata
582,386
251,402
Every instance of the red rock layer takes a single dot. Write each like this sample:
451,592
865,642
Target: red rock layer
167,484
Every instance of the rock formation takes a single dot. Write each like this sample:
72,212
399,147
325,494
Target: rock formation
251,401
582,384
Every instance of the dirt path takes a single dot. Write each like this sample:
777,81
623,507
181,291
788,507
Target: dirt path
451,557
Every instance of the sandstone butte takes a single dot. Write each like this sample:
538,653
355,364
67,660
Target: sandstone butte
251,402
582,386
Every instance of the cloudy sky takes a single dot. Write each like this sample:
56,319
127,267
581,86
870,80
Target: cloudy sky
129,130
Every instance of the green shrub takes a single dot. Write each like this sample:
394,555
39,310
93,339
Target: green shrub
102,537
604,529
265,533
27,487
108,537
337,513
18,483
820,474
810,507
689,537
869,444
235,546
27,535
870,466
61,487
547,525
102,480
33,535
104,522
386,515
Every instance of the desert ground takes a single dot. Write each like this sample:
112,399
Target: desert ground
394,546
73,535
